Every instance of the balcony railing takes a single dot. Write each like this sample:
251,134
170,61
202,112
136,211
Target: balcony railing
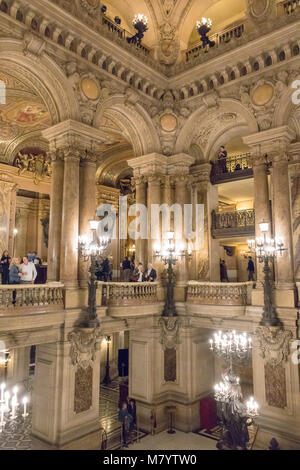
128,293
233,224
234,167
223,37
219,293
291,6
27,295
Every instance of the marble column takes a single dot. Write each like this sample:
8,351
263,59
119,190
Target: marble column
70,219
55,222
18,367
282,221
261,203
181,199
141,198
87,206
154,197
7,219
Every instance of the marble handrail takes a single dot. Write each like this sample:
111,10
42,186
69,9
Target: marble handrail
31,295
219,293
128,293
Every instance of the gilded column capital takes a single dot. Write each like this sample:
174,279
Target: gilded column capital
154,179
88,157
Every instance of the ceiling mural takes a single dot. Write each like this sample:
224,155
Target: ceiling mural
23,112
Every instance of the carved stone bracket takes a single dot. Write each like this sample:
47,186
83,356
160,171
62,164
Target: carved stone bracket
273,344
84,345
169,333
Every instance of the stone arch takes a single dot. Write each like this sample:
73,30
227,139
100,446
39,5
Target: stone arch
44,76
285,107
133,122
207,125
31,139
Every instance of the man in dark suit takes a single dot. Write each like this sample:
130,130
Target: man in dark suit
222,158
150,274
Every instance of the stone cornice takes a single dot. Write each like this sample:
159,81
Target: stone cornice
156,164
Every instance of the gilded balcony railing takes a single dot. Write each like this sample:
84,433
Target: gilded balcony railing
234,224
128,293
26,295
219,293
231,168
290,6
223,37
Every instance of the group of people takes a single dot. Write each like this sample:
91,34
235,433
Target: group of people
138,273
127,416
15,271
250,269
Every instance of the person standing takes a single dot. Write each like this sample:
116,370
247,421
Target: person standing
132,412
250,269
14,276
150,274
222,159
28,272
5,262
138,274
125,418
126,266
223,271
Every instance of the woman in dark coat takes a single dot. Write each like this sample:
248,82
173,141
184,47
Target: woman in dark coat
126,419
5,262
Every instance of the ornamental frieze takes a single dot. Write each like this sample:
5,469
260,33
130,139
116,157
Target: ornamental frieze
273,343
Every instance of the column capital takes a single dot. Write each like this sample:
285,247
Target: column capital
270,142
201,173
74,134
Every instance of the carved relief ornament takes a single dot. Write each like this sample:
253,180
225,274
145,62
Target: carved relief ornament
273,344
169,333
84,345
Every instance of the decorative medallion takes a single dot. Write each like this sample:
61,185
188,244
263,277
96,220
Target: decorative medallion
260,10
262,94
273,344
84,344
90,89
168,122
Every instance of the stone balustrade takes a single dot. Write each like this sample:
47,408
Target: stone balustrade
26,295
128,293
219,293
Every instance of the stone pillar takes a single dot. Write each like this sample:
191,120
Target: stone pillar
282,221
7,218
141,198
65,408
87,206
70,219
261,203
181,199
18,367
208,257
154,197
55,222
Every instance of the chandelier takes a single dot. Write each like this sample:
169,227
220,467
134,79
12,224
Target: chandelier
140,22
10,408
235,415
140,18
204,22
203,27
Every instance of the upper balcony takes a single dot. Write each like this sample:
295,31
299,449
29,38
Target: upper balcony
233,224
232,168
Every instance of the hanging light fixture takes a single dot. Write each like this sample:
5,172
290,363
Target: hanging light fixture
140,22
203,27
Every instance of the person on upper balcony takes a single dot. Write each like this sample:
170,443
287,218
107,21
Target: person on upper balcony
222,159
250,269
150,274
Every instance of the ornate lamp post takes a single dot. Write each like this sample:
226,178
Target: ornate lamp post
236,416
92,250
169,254
203,27
266,250
107,378
140,22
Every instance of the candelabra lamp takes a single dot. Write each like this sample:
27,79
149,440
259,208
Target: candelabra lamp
266,250
235,415
92,250
107,379
140,22
170,254
11,416
203,27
